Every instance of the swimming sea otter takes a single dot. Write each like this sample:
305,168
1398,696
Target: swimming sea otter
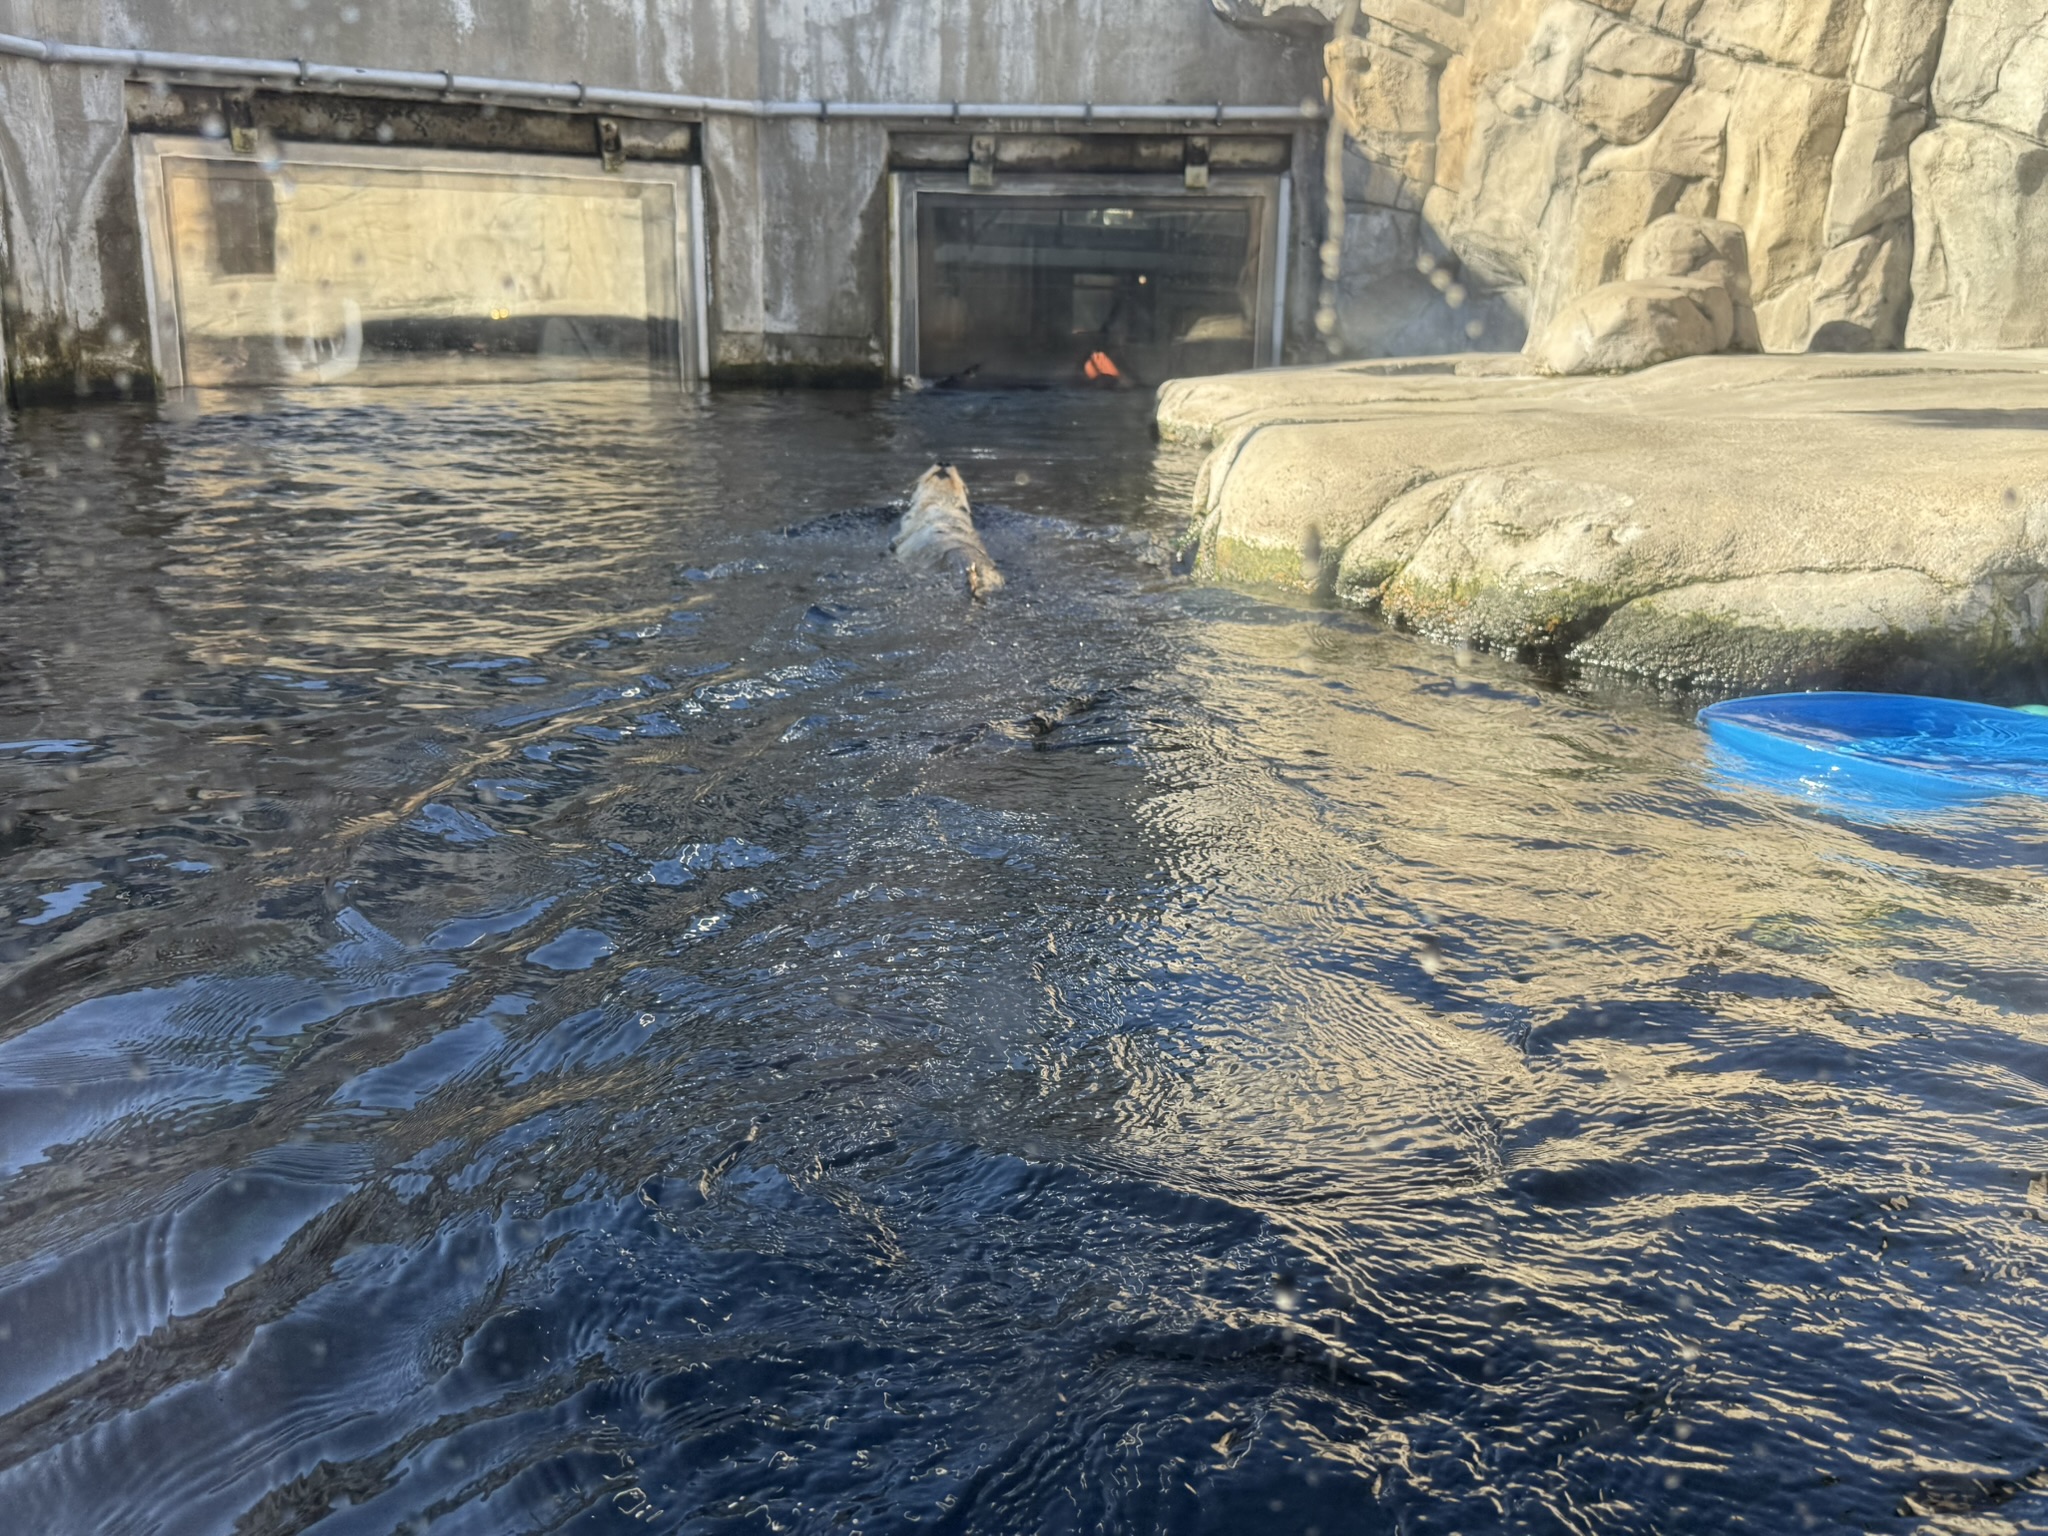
937,533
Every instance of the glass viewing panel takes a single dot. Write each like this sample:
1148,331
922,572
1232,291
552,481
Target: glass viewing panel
1026,290
315,271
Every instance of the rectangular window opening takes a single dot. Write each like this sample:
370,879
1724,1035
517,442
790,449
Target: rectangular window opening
1027,288
415,266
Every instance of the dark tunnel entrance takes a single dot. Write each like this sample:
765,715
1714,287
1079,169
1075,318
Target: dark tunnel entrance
1071,280
1037,290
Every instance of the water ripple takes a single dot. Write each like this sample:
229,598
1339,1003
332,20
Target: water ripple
549,986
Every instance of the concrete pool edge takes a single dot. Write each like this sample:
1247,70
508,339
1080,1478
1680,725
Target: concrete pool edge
1737,522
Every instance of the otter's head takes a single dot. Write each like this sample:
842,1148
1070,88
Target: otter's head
943,478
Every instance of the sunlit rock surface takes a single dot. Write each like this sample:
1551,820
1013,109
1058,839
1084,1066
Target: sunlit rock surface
1719,521
1884,158
1685,292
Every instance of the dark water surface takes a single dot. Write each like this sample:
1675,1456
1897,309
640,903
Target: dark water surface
534,1001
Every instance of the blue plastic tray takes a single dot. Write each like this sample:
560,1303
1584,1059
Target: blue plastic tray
1888,746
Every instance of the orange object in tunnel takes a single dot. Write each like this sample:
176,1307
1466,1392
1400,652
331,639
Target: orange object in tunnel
1099,366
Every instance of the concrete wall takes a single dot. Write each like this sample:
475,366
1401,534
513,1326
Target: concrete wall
797,214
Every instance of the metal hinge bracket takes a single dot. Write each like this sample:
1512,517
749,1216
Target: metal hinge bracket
611,144
241,121
1194,164
981,161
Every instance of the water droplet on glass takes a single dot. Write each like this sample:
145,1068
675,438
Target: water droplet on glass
1286,1293
1430,956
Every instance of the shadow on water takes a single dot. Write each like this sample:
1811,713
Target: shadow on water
549,986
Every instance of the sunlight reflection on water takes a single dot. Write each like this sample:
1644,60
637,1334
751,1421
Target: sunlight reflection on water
549,986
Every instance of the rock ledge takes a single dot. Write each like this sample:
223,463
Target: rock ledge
1728,522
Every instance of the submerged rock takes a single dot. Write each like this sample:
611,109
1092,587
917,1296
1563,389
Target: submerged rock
1725,521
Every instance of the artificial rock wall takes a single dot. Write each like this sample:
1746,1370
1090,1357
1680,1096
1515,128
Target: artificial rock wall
1887,161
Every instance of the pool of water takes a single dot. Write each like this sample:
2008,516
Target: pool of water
546,985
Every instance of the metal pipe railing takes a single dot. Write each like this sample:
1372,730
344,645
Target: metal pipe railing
292,73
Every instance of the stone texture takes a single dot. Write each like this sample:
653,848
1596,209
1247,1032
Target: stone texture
1815,37
1621,327
1980,209
1794,625
1980,182
1692,142
1783,130
1994,66
1685,292
1399,310
1521,172
1901,41
1871,181
1860,294
1630,80
1689,247
1385,97
1736,521
1562,128
1372,183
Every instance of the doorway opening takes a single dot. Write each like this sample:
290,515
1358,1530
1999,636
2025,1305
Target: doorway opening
1041,283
